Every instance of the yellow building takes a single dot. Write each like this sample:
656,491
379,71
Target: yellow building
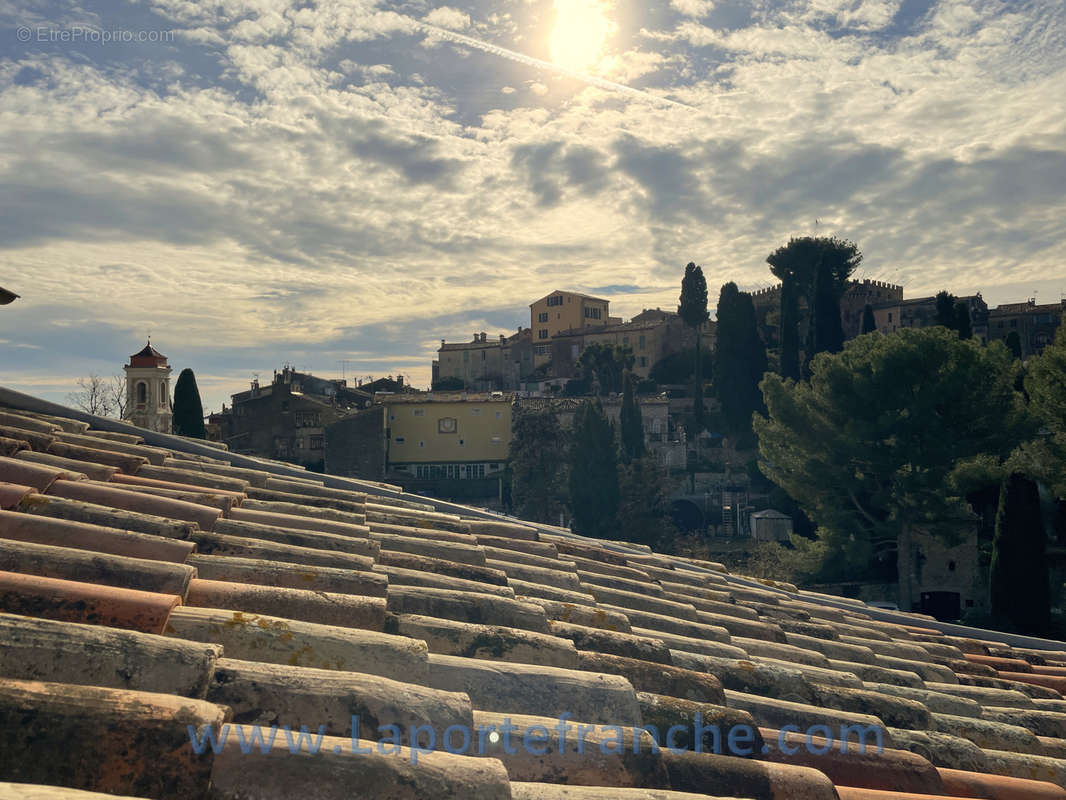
559,312
448,435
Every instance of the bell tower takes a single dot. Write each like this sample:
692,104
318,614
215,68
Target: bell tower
148,390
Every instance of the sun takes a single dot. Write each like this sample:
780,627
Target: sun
580,33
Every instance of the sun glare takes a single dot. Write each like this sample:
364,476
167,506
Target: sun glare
580,33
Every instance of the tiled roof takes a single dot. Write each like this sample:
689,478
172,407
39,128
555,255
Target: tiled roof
152,586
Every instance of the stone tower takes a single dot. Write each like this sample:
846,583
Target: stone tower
148,390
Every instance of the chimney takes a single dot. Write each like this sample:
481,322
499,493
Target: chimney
442,343
484,336
399,380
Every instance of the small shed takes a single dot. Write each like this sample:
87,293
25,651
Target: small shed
770,526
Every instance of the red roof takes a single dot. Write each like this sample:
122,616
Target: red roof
148,357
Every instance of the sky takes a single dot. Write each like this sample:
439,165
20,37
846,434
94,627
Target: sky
340,185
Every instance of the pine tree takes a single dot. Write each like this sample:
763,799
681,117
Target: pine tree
693,312
1018,579
538,465
632,426
188,409
594,491
962,320
869,323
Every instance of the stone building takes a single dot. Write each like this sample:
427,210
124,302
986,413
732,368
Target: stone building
486,363
562,311
286,419
1035,324
148,402
920,312
652,335
852,304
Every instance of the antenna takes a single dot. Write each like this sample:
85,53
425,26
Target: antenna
344,362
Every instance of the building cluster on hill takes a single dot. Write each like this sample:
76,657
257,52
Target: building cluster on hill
544,355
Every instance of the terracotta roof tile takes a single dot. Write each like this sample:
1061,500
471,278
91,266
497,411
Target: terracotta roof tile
74,601
305,586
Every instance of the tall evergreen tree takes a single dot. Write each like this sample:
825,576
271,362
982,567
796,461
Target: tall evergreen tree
644,511
1014,344
188,409
945,309
594,491
837,261
931,403
816,269
739,360
631,423
869,322
962,320
538,465
1018,580
693,312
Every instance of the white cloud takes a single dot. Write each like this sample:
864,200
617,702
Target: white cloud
313,185
693,8
447,17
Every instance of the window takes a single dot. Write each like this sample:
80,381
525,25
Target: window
889,316
317,442
418,412
284,405
1014,323
642,361
499,415
593,313
555,300
542,333
461,442
466,355
142,393
475,412
421,444
542,316
640,345
497,440
400,440
162,394
482,355
306,419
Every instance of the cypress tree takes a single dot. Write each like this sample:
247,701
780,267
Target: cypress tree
538,465
1018,579
594,492
740,360
631,423
693,312
869,323
945,309
1014,344
188,409
962,320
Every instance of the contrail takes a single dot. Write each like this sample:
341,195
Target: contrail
522,58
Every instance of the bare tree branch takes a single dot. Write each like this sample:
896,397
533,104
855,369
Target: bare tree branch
92,396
